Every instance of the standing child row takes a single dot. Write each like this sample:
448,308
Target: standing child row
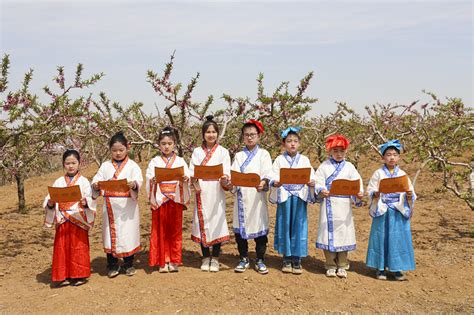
121,233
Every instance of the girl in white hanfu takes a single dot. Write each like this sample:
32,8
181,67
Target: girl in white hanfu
167,199
336,233
120,216
250,206
291,227
209,221
72,220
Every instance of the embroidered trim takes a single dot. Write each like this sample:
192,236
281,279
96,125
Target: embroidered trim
216,241
121,255
252,235
336,248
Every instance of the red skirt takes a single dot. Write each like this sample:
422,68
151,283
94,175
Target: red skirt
71,253
166,234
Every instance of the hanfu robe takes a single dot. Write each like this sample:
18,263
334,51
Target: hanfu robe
390,241
336,232
72,221
250,218
167,200
120,216
291,227
209,220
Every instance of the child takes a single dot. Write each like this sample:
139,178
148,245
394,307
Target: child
250,208
168,200
390,243
71,260
336,233
209,221
291,227
121,219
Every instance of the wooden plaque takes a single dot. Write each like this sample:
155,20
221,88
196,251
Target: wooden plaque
394,185
114,185
345,187
208,172
65,194
168,174
244,179
295,175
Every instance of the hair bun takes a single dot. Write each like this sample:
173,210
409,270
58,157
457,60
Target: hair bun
210,117
119,133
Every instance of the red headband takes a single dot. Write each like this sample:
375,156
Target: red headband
336,141
257,124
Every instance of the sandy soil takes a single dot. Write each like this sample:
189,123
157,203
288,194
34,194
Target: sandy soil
443,233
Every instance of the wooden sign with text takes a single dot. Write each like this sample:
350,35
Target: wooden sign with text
168,174
394,185
114,185
295,175
244,179
345,187
208,172
65,194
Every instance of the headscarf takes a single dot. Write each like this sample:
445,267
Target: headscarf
336,141
390,144
257,124
285,132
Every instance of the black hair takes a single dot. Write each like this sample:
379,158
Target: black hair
168,132
118,137
70,152
398,151
291,133
209,122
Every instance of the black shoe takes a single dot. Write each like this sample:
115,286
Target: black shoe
113,271
60,284
130,271
79,282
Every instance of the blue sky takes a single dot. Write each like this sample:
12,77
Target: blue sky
362,52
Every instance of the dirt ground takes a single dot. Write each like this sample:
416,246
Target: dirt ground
443,234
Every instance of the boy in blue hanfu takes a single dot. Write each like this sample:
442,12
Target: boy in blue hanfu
390,243
291,227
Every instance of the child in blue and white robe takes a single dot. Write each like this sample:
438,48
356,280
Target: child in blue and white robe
390,242
336,231
291,227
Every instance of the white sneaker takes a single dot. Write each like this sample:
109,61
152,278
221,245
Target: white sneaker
205,263
164,269
214,267
341,273
331,273
173,267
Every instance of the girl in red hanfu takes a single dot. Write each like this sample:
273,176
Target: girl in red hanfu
168,199
209,221
120,216
71,260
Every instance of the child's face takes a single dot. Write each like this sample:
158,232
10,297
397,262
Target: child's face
118,151
210,136
166,145
391,157
251,136
71,164
292,143
338,153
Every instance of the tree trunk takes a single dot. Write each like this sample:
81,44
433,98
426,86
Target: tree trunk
20,184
